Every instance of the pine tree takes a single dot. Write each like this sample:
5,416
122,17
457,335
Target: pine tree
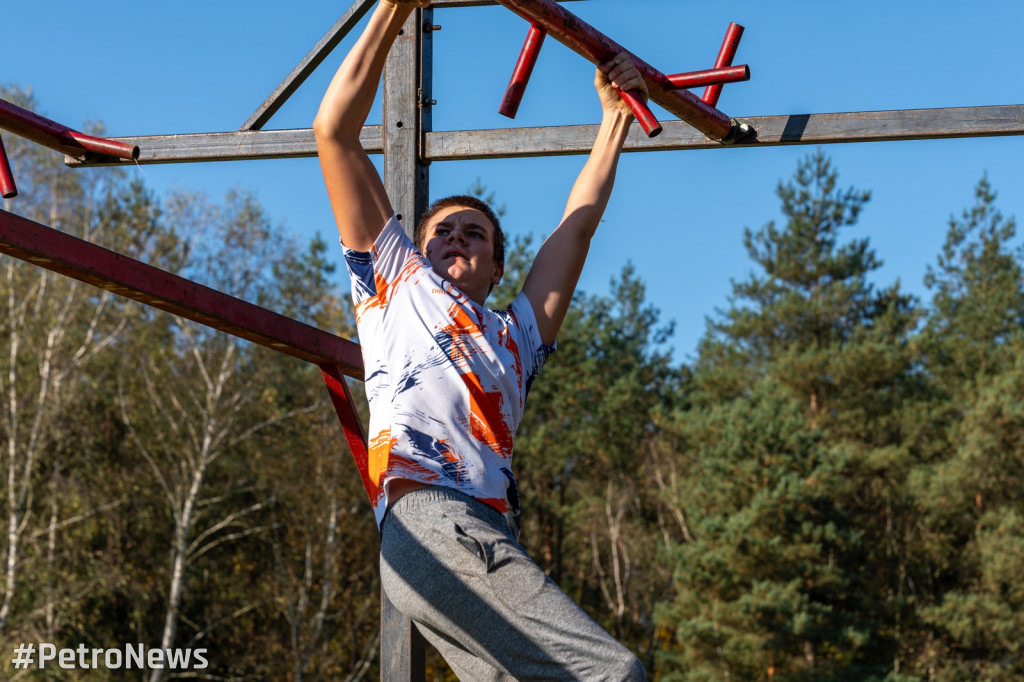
972,490
795,457
978,306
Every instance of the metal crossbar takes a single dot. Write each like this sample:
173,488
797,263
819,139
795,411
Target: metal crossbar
495,143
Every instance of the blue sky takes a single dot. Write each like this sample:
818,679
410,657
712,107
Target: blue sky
159,68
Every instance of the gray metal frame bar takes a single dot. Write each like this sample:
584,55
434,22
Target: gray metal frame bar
770,131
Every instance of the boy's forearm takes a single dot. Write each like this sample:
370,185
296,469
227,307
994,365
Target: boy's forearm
348,99
593,187
358,197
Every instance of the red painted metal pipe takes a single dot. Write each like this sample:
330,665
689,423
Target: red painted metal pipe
61,138
351,424
590,43
644,116
524,68
521,74
8,190
695,79
725,57
92,264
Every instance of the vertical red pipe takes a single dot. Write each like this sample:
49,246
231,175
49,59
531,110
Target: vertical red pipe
521,74
8,190
725,57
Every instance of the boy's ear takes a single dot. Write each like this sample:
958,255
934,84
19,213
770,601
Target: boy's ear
499,272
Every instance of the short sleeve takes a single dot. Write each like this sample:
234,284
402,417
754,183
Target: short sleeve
533,352
384,261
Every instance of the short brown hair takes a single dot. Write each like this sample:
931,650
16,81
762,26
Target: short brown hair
466,201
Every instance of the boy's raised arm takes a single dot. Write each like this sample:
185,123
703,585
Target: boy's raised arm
553,276
358,198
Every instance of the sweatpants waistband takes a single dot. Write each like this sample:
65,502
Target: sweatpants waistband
423,499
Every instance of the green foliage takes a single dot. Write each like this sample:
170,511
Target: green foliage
584,456
796,459
970,489
518,258
833,491
978,307
135,439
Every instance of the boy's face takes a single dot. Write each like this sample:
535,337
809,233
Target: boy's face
459,243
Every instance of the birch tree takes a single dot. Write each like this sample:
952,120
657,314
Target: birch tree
51,329
195,399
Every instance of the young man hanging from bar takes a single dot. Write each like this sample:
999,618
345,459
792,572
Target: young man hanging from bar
447,379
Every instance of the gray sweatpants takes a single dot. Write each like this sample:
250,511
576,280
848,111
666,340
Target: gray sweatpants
450,564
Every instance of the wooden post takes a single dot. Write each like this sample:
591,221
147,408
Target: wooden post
407,85
406,120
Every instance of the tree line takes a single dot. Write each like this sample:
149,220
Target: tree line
832,490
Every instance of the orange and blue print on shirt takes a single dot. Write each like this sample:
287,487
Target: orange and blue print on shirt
446,378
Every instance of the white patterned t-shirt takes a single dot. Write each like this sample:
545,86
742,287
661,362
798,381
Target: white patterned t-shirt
446,378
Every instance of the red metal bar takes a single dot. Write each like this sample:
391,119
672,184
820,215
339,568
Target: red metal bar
61,138
695,79
644,116
521,73
521,76
351,423
725,57
84,261
8,190
588,42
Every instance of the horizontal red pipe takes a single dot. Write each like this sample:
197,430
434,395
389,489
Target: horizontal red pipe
590,43
725,56
92,264
521,73
695,79
51,134
8,190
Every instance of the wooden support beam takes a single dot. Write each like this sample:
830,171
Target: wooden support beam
76,258
232,146
406,120
769,131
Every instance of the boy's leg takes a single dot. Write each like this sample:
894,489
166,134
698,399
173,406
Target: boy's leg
449,563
